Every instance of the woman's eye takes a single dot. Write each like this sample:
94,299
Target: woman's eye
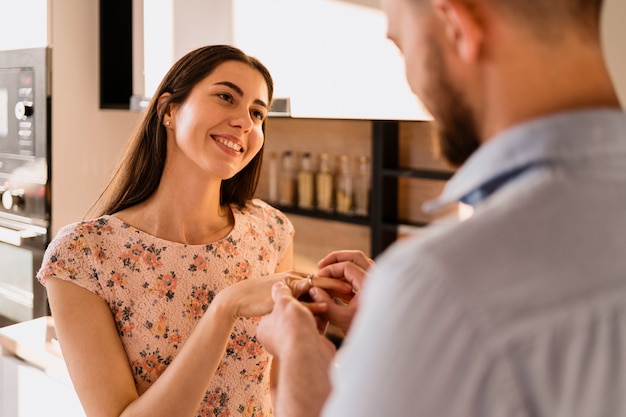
258,114
226,97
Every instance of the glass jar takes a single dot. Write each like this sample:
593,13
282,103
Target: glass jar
287,182
324,184
362,186
273,177
344,189
306,182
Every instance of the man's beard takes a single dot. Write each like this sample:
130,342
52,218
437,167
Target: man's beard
454,124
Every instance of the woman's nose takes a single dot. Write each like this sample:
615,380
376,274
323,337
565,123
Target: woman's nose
242,118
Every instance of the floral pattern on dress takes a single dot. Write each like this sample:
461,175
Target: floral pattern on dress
199,264
138,254
253,408
198,302
150,365
215,403
163,287
123,314
239,272
158,291
242,346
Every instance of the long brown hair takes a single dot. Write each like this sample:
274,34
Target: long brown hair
141,167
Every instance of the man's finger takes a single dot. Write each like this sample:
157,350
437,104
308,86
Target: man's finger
281,290
355,256
346,270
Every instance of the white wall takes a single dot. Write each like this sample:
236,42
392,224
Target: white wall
614,40
15,33
330,57
86,140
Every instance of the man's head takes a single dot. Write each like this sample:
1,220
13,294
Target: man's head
480,66
546,18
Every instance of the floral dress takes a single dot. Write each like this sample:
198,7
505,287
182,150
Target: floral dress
158,290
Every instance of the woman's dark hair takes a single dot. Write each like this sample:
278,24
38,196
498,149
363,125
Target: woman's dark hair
141,167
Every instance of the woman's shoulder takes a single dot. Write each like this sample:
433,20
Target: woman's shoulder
264,211
258,207
101,226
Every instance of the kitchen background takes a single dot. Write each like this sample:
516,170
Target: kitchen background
339,81
348,97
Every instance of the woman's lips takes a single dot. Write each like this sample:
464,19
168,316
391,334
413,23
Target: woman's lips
228,143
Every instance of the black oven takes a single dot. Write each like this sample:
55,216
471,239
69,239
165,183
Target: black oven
24,181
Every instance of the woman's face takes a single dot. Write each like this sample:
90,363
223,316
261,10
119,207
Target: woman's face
218,128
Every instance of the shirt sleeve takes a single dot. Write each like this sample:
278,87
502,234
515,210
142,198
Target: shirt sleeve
413,350
70,257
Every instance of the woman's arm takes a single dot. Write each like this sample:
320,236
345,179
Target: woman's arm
99,365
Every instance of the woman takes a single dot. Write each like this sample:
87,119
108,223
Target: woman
155,299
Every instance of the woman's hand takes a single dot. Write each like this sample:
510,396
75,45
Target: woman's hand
253,297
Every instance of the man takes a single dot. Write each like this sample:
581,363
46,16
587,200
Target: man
521,309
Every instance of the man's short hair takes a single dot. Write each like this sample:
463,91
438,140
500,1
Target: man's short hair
550,17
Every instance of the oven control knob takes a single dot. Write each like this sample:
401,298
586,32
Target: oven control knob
23,110
10,200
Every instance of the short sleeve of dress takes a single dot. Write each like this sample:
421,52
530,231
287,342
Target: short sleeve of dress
70,257
279,227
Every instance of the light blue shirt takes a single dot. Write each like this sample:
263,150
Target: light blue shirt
519,310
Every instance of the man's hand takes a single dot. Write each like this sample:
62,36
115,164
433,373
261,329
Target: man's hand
289,322
289,333
350,266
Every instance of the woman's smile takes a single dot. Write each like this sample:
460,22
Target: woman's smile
228,141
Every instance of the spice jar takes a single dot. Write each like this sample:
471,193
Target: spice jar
306,182
287,182
324,184
344,190
362,186
273,177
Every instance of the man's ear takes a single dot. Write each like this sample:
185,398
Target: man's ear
463,27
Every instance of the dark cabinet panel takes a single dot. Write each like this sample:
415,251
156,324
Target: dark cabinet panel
116,54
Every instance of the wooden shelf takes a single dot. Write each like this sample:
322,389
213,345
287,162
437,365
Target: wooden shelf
403,162
416,173
366,221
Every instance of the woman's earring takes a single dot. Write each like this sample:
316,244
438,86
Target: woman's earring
167,123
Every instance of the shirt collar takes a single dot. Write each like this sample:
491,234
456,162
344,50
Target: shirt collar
557,138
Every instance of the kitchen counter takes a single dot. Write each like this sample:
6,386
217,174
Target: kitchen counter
34,380
34,342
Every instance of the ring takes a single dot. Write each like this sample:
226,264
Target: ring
309,278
